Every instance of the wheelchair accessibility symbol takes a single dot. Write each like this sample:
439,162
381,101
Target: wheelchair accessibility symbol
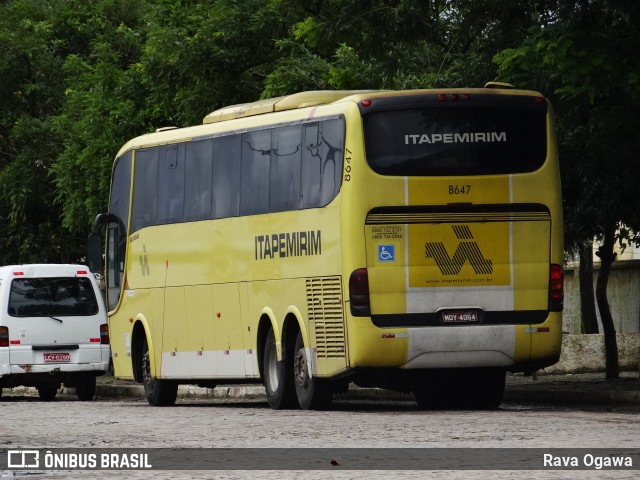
386,253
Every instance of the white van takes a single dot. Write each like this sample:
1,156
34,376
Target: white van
53,329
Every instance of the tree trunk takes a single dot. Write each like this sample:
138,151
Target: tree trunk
607,257
587,297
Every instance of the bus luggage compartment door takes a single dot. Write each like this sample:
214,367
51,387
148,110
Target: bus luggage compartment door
436,266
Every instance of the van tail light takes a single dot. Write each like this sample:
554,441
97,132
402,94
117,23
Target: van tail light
104,334
556,288
4,336
359,293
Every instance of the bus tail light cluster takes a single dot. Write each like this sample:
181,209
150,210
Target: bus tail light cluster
556,288
4,336
104,334
359,293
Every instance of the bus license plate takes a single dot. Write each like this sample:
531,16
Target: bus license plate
469,316
57,357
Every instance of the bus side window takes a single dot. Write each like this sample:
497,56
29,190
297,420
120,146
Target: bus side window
145,191
284,174
332,154
311,166
198,180
256,160
171,184
226,176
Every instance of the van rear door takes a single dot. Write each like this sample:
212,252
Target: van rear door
53,316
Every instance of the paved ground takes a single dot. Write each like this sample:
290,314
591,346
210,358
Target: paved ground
588,388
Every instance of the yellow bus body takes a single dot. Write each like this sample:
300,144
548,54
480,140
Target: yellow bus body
203,293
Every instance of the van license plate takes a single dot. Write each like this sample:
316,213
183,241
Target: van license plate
57,357
469,316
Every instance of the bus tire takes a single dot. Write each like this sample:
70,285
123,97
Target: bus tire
490,389
278,381
312,393
432,399
86,389
159,393
47,393
477,389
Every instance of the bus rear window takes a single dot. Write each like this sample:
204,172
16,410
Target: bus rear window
46,296
456,139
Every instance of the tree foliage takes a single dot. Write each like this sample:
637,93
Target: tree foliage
584,56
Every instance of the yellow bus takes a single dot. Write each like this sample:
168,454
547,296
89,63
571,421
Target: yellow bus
406,240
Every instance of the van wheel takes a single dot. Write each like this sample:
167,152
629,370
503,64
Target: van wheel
278,381
86,389
312,393
47,393
159,393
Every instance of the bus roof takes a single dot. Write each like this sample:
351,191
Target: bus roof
323,97
278,104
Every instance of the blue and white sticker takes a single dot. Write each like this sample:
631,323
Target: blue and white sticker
386,253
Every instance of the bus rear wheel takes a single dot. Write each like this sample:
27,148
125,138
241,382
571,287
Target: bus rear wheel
159,393
313,393
277,378
477,389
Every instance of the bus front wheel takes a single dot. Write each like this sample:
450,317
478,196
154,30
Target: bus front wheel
277,378
159,393
312,393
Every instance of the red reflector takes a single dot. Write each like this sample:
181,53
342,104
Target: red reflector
466,97
454,97
14,342
94,340
539,99
359,282
4,337
104,334
442,97
81,272
359,292
366,103
18,274
556,286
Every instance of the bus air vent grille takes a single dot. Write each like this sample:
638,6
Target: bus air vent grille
324,302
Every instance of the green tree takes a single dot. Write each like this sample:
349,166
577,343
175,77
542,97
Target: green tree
585,57
105,103
31,91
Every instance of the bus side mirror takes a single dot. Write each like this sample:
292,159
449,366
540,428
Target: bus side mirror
94,252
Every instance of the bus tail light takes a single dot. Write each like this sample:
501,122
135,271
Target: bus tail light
4,336
556,288
359,293
104,334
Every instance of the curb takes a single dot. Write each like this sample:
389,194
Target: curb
549,394
564,397
256,392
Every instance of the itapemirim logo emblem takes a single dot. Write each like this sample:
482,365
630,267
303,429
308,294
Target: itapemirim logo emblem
467,249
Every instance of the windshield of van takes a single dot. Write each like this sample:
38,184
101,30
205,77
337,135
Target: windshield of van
58,296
